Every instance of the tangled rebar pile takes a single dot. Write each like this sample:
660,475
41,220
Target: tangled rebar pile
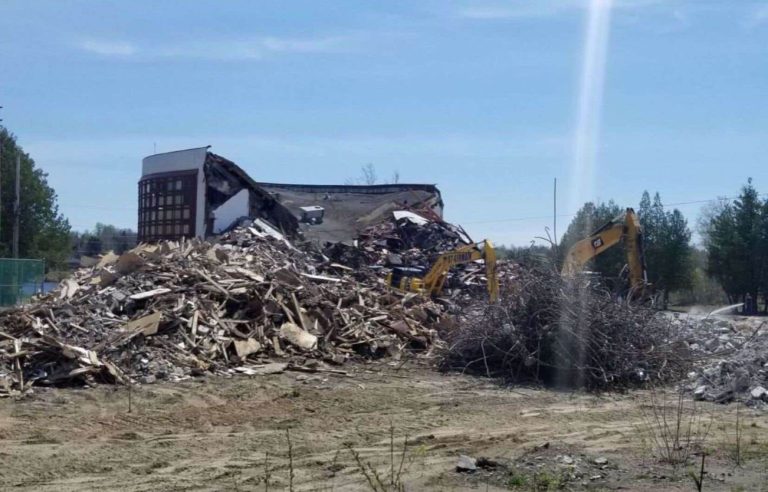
573,334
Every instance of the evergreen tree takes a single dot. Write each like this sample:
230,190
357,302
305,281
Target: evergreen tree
651,218
677,265
763,249
738,237
747,211
666,240
721,263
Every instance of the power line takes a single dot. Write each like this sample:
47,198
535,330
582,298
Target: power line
547,217
517,219
719,199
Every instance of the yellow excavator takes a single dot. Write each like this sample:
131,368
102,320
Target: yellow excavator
614,232
431,283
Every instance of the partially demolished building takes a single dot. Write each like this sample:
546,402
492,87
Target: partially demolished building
196,193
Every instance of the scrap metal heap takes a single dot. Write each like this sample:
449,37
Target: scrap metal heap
174,310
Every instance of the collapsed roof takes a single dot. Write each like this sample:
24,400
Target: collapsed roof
349,210
225,180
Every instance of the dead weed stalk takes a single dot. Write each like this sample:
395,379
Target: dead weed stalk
290,459
394,483
677,428
267,472
698,478
735,448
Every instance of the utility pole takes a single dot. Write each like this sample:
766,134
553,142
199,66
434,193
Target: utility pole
555,215
1,186
17,207
1,183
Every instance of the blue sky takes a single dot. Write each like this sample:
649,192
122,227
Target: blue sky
478,97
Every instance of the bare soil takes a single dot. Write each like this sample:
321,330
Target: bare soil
217,433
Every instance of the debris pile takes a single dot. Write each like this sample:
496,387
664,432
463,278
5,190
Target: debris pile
172,310
410,239
545,330
415,242
733,358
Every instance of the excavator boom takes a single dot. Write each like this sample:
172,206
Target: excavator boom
606,237
433,282
638,275
580,253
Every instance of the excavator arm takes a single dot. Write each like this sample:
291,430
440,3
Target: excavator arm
605,238
433,282
490,271
582,252
638,275
435,279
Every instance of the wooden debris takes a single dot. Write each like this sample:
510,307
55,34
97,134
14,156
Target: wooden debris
298,337
147,325
129,262
174,310
244,348
150,293
108,259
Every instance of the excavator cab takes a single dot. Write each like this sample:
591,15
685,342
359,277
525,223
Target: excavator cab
408,279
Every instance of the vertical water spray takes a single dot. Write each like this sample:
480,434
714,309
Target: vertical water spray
574,318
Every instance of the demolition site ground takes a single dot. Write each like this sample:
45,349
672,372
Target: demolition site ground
251,363
222,433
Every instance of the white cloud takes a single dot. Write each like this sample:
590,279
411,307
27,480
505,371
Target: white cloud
256,48
515,10
107,48
333,44
521,9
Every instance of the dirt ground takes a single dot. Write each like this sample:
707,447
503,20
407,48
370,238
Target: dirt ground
217,434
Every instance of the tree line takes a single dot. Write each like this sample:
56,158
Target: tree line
735,234
666,240
103,238
730,263
43,230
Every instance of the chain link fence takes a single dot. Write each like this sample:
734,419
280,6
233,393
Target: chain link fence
20,280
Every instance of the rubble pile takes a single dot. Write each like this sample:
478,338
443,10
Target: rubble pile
732,358
546,330
408,239
172,310
415,241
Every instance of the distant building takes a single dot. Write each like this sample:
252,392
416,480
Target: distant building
196,193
